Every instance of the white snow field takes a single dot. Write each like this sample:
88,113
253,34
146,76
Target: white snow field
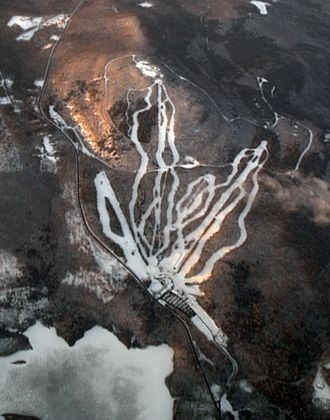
97,378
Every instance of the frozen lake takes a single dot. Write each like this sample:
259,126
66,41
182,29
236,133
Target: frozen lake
97,378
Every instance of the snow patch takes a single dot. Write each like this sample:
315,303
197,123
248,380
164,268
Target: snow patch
59,121
261,6
107,263
202,356
9,267
226,407
245,386
216,391
24,22
321,389
49,148
20,305
76,231
66,380
47,46
28,35
108,276
104,287
202,328
105,279
47,156
39,83
8,82
146,4
147,69
5,101
31,25
60,21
